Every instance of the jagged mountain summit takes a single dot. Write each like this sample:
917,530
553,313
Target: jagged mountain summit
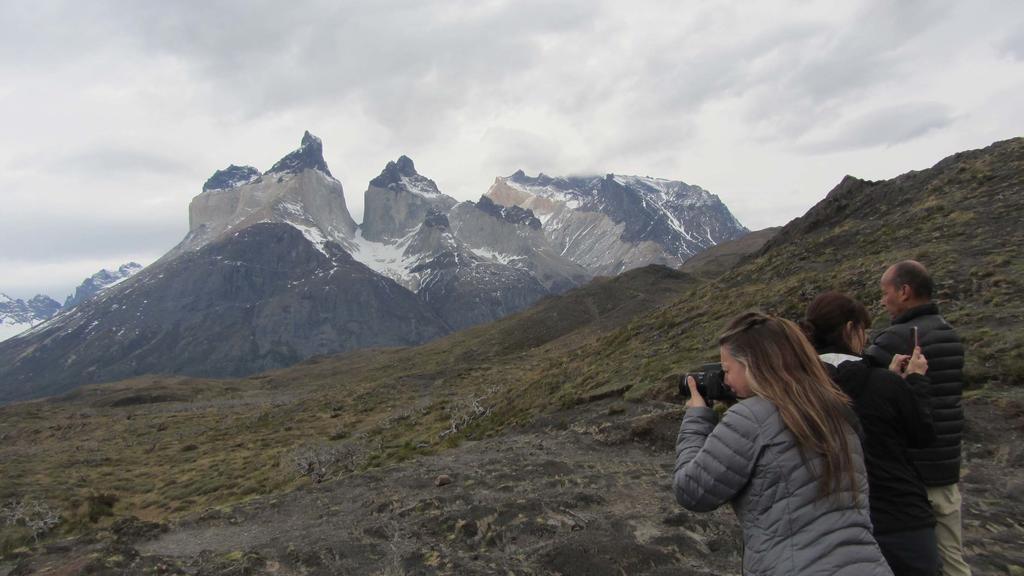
411,233
298,190
100,281
17,315
411,230
308,156
514,236
614,223
399,200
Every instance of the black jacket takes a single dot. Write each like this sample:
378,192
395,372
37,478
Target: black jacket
939,463
895,416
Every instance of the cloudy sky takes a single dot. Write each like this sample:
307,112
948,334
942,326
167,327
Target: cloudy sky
113,114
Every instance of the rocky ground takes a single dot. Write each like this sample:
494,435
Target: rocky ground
585,491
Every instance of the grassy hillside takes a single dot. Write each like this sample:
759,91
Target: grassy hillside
161,447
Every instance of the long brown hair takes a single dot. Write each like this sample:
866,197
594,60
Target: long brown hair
783,368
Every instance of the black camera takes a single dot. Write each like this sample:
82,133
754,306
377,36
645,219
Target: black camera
710,384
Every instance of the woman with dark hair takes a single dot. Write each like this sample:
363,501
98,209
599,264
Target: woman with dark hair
786,457
895,414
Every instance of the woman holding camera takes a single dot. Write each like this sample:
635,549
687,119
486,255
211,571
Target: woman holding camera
786,456
895,414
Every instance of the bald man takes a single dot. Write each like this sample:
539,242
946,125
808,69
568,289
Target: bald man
907,297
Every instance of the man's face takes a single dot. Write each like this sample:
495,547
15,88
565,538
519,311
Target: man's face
893,297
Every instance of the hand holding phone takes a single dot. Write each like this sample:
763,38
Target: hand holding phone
917,364
899,364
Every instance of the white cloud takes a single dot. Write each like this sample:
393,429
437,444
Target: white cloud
881,127
115,112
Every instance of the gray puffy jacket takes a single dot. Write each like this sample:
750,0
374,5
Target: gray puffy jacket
752,460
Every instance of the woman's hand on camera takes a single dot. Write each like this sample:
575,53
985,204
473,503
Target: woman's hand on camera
696,400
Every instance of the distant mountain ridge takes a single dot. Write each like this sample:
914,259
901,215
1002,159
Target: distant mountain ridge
17,315
101,280
439,265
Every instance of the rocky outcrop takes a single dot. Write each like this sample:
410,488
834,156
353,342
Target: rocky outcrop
231,177
469,262
461,287
298,190
398,200
512,214
513,236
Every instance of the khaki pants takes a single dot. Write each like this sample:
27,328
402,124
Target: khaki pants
949,529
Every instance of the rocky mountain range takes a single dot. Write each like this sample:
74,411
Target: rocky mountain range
100,281
613,223
17,316
274,269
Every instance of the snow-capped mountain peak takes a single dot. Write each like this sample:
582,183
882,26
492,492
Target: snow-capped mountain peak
299,190
17,315
664,190
616,222
231,177
309,154
402,175
101,281
559,190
